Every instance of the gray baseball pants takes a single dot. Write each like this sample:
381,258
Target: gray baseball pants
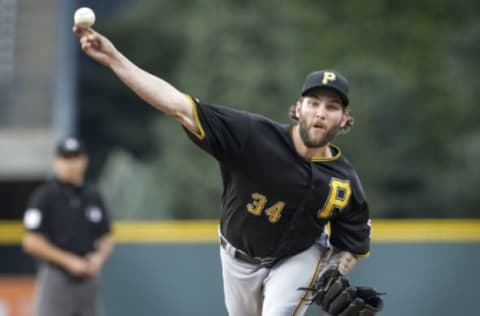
58,294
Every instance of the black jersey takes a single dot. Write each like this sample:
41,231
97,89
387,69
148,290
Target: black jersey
274,202
72,218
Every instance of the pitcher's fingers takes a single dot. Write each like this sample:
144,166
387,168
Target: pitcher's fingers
90,38
86,45
80,32
84,40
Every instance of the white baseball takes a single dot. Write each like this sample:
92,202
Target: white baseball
84,17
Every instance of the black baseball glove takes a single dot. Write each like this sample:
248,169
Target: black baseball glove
334,294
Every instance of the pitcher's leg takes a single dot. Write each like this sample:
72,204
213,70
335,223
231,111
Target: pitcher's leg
282,296
242,286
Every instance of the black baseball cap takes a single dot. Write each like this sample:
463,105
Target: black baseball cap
70,147
328,79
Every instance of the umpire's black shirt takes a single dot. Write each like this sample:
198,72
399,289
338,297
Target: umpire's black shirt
70,217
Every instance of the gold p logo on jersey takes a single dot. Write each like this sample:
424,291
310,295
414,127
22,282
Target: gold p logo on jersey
328,76
338,197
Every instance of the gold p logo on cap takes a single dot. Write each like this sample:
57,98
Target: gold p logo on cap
328,76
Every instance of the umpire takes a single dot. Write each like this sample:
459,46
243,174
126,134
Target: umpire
68,229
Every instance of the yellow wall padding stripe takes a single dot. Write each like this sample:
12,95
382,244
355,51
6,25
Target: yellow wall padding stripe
10,232
206,231
167,231
426,230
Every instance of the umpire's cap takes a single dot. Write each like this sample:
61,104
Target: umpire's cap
328,79
70,147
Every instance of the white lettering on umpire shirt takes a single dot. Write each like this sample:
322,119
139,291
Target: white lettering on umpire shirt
32,218
94,214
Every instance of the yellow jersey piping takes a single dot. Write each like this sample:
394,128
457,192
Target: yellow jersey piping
310,284
321,159
201,132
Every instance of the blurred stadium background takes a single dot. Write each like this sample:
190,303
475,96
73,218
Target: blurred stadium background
416,141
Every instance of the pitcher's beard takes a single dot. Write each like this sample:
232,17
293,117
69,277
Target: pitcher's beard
310,142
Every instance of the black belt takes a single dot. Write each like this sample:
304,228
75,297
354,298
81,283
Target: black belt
240,255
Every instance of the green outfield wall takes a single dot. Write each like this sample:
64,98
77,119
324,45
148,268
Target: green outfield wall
427,267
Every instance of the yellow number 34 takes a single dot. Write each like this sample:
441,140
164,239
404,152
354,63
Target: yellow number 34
273,213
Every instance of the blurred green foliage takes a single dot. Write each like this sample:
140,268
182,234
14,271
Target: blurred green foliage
412,67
